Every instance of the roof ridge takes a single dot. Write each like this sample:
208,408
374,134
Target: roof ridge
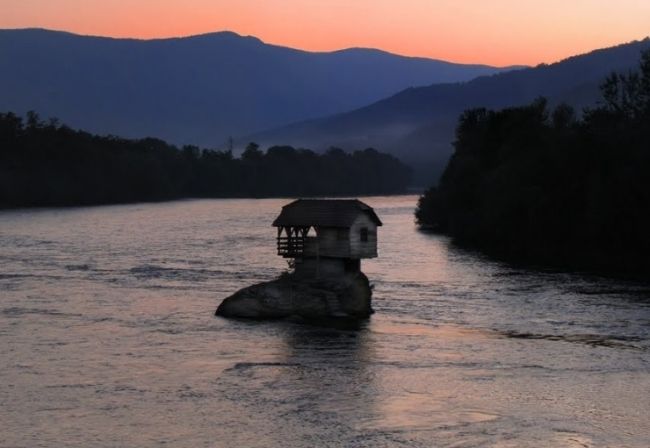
326,212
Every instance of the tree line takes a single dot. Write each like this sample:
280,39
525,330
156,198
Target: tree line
550,187
44,163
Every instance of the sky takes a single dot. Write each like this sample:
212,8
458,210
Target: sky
496,32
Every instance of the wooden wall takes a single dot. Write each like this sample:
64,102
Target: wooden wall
344,243
358,248
332,242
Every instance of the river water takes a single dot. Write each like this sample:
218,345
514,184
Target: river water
108,339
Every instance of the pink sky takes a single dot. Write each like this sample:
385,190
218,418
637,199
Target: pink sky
498,32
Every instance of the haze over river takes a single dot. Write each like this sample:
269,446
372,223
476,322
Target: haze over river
108,338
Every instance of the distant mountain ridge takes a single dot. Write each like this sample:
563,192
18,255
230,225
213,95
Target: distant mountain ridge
199,89
418,124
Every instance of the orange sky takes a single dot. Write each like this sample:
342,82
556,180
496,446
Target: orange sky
498,32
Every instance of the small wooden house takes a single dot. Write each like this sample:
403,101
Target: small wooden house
327,237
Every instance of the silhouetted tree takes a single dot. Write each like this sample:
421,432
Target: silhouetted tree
252,152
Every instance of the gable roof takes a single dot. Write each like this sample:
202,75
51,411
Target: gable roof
324,213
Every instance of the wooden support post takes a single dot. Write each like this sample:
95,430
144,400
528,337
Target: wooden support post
317,259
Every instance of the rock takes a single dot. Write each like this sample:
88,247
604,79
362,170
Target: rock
290,295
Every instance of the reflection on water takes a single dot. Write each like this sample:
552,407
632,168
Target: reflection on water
107,338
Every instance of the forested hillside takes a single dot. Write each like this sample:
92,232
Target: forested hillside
47,164
543,186
417,125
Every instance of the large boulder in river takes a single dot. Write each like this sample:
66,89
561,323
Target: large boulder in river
291,295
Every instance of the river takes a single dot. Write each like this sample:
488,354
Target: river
108,338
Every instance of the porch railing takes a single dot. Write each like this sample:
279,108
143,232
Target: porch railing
291,246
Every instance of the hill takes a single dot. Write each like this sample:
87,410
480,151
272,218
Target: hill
418,124
199,89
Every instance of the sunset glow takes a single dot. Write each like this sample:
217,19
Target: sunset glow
499,32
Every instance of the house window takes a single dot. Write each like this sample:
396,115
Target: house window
364,234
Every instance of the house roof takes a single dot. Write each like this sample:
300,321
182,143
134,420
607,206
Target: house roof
324,213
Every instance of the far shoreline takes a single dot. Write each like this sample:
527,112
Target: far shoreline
188,199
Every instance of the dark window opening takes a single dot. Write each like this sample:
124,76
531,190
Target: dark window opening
364,234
